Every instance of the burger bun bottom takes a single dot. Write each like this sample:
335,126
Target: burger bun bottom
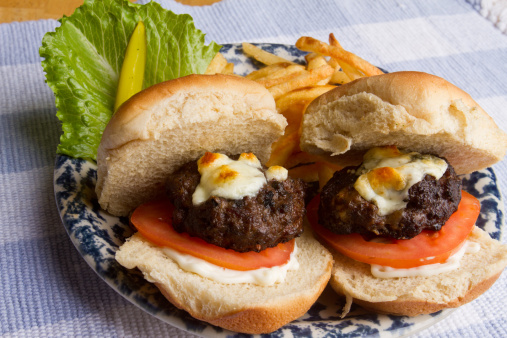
245,308
412,296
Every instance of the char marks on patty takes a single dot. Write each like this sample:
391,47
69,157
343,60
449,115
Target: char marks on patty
256,223
430,204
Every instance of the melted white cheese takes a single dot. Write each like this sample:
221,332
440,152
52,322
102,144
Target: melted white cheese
224,177
277,173
452,263
387,174
262,276
227,178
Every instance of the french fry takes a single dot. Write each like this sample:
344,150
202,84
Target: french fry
261,55
217,64
292,105
309,44
339,77
305,79
310,56
308,173
301,157
333,41
316,62
352,73
281,76
283,148
266,71
313,60
325,171
294,114
228,69
301,96
285,145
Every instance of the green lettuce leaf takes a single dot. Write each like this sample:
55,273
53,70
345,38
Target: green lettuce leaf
83,58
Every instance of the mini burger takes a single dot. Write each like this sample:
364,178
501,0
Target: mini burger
218,233
401,230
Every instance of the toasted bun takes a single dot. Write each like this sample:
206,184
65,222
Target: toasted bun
411,296
174,122
243,308
412,110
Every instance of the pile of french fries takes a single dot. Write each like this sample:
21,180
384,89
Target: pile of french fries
294,86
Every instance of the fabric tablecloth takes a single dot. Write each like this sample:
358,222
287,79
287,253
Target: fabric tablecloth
46,288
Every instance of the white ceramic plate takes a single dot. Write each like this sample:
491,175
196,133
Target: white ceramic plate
97,235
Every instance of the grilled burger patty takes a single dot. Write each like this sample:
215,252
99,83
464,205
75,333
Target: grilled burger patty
430,204
273,216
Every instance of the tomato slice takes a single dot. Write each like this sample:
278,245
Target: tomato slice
153,220
429,247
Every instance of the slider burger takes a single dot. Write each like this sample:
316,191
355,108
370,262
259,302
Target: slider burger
218,233
401,230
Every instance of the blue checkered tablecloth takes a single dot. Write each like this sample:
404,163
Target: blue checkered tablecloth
46,288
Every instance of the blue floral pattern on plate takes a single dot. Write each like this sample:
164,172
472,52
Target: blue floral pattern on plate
97,235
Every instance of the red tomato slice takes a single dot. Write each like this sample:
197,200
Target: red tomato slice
429,247
153,220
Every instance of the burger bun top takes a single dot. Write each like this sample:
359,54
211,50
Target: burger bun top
174,122
412,110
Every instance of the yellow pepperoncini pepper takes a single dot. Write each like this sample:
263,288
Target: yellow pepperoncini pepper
132,69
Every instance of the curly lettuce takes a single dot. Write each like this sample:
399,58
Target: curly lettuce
83,58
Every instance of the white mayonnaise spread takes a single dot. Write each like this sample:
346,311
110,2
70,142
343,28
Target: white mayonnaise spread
227,178
387,174
262,276
452,263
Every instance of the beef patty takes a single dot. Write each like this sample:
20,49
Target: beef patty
430,204
273,216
